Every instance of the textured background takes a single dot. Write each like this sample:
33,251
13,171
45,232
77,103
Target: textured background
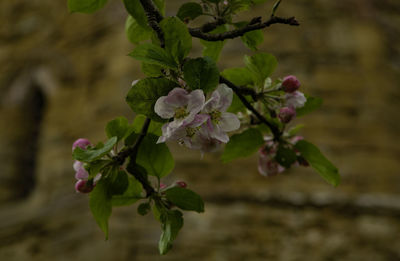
64,76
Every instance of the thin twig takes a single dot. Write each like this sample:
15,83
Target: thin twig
274,129
198,33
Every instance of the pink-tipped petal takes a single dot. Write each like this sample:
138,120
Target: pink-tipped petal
81,174
81,143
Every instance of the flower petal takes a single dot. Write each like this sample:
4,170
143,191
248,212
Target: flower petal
178,97
196,101
163,109
229,122
225,99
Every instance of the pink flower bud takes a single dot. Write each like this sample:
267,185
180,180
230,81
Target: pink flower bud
181,184
162,186
290,83
83,186
81,143
286,114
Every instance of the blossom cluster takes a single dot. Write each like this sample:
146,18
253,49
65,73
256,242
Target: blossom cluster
292,99
83,184
195,122
267,163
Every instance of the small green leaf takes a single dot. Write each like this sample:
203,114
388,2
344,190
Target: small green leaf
190,11
144,94
318,161
119,183
155,158
311,104
134,32
154,128
285,156
118,128
253,39
242,145
293,131
131,195
135,9
172,222
92,154
185,199
178,41
153,54
201,73
152,70
261,65
240,76
85,6
213,49
144,208
100,205
275,7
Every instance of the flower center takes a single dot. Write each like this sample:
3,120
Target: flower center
215,116
190,131
181,113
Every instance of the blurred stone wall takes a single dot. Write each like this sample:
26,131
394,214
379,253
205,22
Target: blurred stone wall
63,76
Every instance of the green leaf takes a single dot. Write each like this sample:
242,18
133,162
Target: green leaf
172,222
189,11
131,195
100,205
119,183
152,70
118,128
185,199
285,156
144,94
85,6
135,9
261,65
144,208
237,6
318,161
92,154
242,145
213,49
293,131
253,39
134,32
201,73
236,105
153,54
155,158
239,76
311,104
154,128
178,41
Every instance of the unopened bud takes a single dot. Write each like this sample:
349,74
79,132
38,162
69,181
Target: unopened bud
81,143
84,186
290,83
286,114
181,184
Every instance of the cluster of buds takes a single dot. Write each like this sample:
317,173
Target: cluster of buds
292,99
267,163
195,122
83,184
